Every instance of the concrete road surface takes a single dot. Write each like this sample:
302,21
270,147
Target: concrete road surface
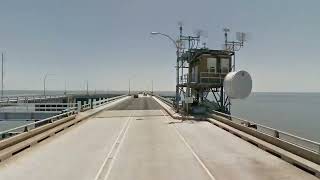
144,145
141,103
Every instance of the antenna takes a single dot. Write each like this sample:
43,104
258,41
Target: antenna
234,45
241,37
226,31
180,24
2,67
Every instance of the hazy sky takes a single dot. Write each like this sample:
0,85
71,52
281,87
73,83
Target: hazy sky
107,41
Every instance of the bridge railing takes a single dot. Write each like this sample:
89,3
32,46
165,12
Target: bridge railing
34,107
85,107
290,138
27,127
27,98
99,103
107,100
166,100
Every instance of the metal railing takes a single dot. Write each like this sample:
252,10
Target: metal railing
53,106
211,77
290,138
34,107
95,104
166,100
29,126
85,107
105,101
28,98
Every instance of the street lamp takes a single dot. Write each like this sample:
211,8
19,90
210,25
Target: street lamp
176,44
169,37
44,83
129,86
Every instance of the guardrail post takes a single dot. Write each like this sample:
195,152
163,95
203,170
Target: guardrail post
90,103
26,129
94,103
276,134
79,106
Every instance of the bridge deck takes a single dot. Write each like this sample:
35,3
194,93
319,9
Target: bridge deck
133,143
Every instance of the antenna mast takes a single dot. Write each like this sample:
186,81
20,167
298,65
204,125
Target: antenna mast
2,57
234,45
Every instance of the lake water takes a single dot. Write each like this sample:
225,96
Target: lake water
296,113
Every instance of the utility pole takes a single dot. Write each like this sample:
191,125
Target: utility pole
2,57
65,87
152,87
129,85
87,87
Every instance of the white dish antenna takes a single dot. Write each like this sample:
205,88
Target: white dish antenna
238,84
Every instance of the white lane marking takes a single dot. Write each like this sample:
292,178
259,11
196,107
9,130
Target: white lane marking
117,150
112,147
192,151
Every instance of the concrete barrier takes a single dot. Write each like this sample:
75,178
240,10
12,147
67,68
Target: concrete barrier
273,146
23,136
300,151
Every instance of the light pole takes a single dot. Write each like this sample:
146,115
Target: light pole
2,58
44,83
177,67
152,87
129,85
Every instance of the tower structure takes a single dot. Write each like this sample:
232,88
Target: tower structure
201,71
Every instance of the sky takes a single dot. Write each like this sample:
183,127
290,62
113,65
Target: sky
108,42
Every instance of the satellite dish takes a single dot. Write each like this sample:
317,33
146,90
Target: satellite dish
238,84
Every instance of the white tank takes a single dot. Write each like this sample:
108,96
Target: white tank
238,84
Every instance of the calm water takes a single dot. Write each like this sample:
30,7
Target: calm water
297,113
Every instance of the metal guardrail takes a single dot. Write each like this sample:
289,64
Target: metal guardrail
290,138
53,106
28,127
34,107
105,101
23,98
166,100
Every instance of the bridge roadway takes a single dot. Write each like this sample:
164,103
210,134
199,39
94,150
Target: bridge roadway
137,140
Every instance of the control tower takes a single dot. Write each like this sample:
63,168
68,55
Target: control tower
207,69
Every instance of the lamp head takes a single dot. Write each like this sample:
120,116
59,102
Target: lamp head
154,33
